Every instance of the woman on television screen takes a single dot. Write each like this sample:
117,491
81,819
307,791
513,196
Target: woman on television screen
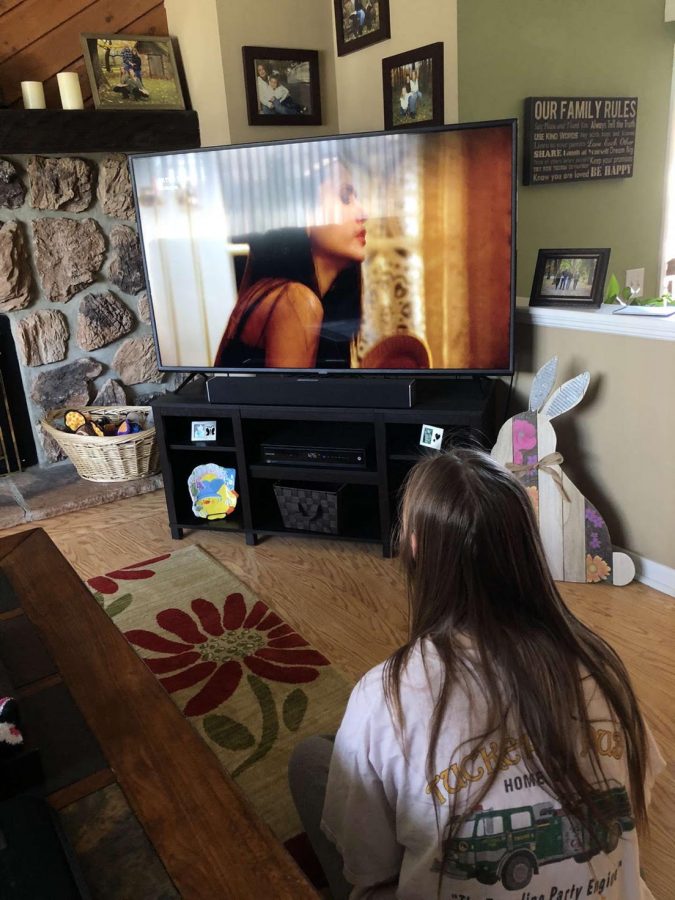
299,301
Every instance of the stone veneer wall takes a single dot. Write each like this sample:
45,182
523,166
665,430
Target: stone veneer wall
72,283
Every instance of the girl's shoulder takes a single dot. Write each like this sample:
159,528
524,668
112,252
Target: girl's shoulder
421,671
267,292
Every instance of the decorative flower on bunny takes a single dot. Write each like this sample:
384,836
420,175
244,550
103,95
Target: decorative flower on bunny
574,534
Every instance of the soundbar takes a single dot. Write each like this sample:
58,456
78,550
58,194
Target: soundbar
385,392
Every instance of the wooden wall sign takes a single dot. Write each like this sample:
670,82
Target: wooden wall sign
578,138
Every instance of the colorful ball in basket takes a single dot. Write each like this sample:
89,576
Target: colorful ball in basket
212,490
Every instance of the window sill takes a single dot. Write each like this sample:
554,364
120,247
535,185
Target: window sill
601,320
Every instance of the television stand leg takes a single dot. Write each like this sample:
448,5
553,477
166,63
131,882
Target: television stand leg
251,539
176,533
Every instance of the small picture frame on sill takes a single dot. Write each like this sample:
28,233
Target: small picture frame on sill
570,278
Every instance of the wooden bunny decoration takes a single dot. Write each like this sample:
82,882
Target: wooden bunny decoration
574,534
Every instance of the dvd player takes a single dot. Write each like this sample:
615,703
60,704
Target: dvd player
321,448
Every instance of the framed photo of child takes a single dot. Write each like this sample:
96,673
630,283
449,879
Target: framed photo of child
132,71
360,23
282,86
412,87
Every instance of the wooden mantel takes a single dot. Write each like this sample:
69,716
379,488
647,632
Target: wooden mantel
97,130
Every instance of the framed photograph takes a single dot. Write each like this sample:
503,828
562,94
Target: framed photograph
431,437
203,431
282,86
360,23
570,278
132,71
412,88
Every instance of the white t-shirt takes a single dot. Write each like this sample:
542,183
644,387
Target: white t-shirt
379,808
264,92
280,92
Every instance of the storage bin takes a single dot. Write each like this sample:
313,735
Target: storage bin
120,458
305,507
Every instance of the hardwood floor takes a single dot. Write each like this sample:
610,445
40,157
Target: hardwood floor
350,603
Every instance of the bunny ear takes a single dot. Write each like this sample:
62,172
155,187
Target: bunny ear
543,384
567,396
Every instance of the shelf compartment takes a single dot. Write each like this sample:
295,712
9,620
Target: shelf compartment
178,433
359,520
298,473
183,462
325,435
403,441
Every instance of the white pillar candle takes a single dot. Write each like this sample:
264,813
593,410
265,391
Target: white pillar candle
33,95
69,89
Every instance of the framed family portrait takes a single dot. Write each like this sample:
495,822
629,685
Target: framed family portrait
570,278
130,71
282,86
412,87
360,23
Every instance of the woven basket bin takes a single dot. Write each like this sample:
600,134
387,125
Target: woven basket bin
122,457
303,507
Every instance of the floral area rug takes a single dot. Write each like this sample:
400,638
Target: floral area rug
249,684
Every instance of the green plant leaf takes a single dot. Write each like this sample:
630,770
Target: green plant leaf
227,733
270,729
294,709
118,606
613,289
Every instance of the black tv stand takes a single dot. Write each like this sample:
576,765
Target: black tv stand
464,408
314,389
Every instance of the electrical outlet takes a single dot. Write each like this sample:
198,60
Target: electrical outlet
635,280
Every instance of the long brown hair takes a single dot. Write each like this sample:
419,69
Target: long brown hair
476,570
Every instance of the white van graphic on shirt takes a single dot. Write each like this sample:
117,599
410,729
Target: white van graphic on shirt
510,845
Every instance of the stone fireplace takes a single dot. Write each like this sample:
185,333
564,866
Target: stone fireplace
73,287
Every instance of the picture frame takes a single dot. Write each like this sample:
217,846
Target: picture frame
412,88
132,71
282,86
360,23
203,430
431,437
570,278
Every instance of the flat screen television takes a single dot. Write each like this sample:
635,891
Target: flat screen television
378,253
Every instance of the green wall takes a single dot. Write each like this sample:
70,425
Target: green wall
523,48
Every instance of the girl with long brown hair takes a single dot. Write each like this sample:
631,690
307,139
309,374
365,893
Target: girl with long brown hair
500,753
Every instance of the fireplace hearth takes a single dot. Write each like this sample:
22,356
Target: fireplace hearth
17,445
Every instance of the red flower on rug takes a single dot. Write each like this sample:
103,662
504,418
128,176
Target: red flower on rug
107,584
216,644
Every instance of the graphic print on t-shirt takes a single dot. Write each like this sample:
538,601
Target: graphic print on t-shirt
511,845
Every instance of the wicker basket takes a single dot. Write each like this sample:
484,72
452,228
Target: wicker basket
119,458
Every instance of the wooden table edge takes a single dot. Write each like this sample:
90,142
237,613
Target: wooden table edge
211,842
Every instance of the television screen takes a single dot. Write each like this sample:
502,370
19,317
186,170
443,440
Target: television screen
380,252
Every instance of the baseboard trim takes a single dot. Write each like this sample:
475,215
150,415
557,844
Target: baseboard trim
653,574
